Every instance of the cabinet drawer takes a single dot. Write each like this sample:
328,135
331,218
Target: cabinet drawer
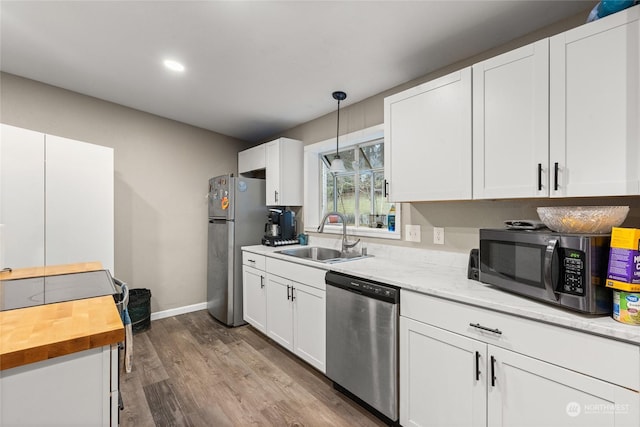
607,359
297,272
253,260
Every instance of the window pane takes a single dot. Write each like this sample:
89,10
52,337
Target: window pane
372,156
347,197
329,190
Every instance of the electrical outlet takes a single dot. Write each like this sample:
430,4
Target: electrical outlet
438,235
412,233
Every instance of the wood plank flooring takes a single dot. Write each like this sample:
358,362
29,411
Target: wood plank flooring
190,370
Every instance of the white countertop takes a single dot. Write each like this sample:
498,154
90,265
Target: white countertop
444,275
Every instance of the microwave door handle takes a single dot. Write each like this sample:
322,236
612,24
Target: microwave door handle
552,248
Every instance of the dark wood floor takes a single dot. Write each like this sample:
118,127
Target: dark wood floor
190,370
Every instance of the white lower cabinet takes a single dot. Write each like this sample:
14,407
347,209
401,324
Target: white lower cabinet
530,392
287,302
438,386
254,298
465,366
296,319
79,389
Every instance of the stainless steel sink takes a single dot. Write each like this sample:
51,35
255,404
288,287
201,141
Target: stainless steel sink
326,255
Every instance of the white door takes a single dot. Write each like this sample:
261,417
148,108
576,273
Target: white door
511,124
442,377
428,140
254,298
280,311
529,392
310,325
594,106
79,200
21,198
272,173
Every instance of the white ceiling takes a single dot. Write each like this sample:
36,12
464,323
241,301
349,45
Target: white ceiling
253,68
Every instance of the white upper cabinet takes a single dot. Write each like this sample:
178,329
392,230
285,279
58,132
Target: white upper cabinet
428,140
284,179
79,202
594,108
59,214
511,124
252,159
21,198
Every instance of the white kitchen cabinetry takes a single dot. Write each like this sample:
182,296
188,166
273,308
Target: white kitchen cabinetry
252,159
428,140
284,179
79,202
254,295
465,366
438,385
594,108
79,389
58,214
296,304
511,124
22,213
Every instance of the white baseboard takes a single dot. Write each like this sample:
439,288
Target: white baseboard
180,310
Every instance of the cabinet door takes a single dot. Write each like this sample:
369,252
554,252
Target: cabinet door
21,198
280,311
254,298
511,124
442,377
79,200
272,173
284,179
529,392
309,325
594,106
428,140
252,159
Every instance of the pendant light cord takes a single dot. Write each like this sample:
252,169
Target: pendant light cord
338,130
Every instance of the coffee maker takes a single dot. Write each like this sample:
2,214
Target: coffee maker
280,228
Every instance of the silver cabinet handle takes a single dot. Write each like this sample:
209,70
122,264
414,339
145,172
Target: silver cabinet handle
484,328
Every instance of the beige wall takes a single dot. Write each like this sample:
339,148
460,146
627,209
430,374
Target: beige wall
161,172
462,219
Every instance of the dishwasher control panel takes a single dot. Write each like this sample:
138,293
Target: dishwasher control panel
363,286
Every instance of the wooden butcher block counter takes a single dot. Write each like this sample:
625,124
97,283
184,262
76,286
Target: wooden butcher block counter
42,332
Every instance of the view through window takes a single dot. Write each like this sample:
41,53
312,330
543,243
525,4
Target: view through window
358,193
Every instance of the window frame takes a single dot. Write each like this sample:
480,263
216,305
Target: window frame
313,185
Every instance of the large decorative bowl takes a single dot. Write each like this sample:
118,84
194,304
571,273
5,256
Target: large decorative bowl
583,219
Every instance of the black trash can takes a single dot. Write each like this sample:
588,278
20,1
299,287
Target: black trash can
140,309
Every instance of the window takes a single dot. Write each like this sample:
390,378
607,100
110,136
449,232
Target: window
358,193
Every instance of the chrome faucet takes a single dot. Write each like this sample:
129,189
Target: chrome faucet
345,243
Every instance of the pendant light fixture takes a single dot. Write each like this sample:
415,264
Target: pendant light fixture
337,165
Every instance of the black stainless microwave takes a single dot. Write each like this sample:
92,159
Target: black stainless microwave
563,269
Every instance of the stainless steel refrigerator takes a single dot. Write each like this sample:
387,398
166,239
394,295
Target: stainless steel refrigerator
237,214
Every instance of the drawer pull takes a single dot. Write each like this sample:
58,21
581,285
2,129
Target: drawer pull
493,371
484,328
477,366
252,260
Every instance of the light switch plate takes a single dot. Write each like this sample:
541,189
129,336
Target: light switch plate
412,233
438,235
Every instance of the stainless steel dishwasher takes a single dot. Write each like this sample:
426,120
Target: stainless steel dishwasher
362,341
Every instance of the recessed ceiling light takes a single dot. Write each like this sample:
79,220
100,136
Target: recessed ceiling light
173,65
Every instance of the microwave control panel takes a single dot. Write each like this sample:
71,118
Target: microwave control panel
573,272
